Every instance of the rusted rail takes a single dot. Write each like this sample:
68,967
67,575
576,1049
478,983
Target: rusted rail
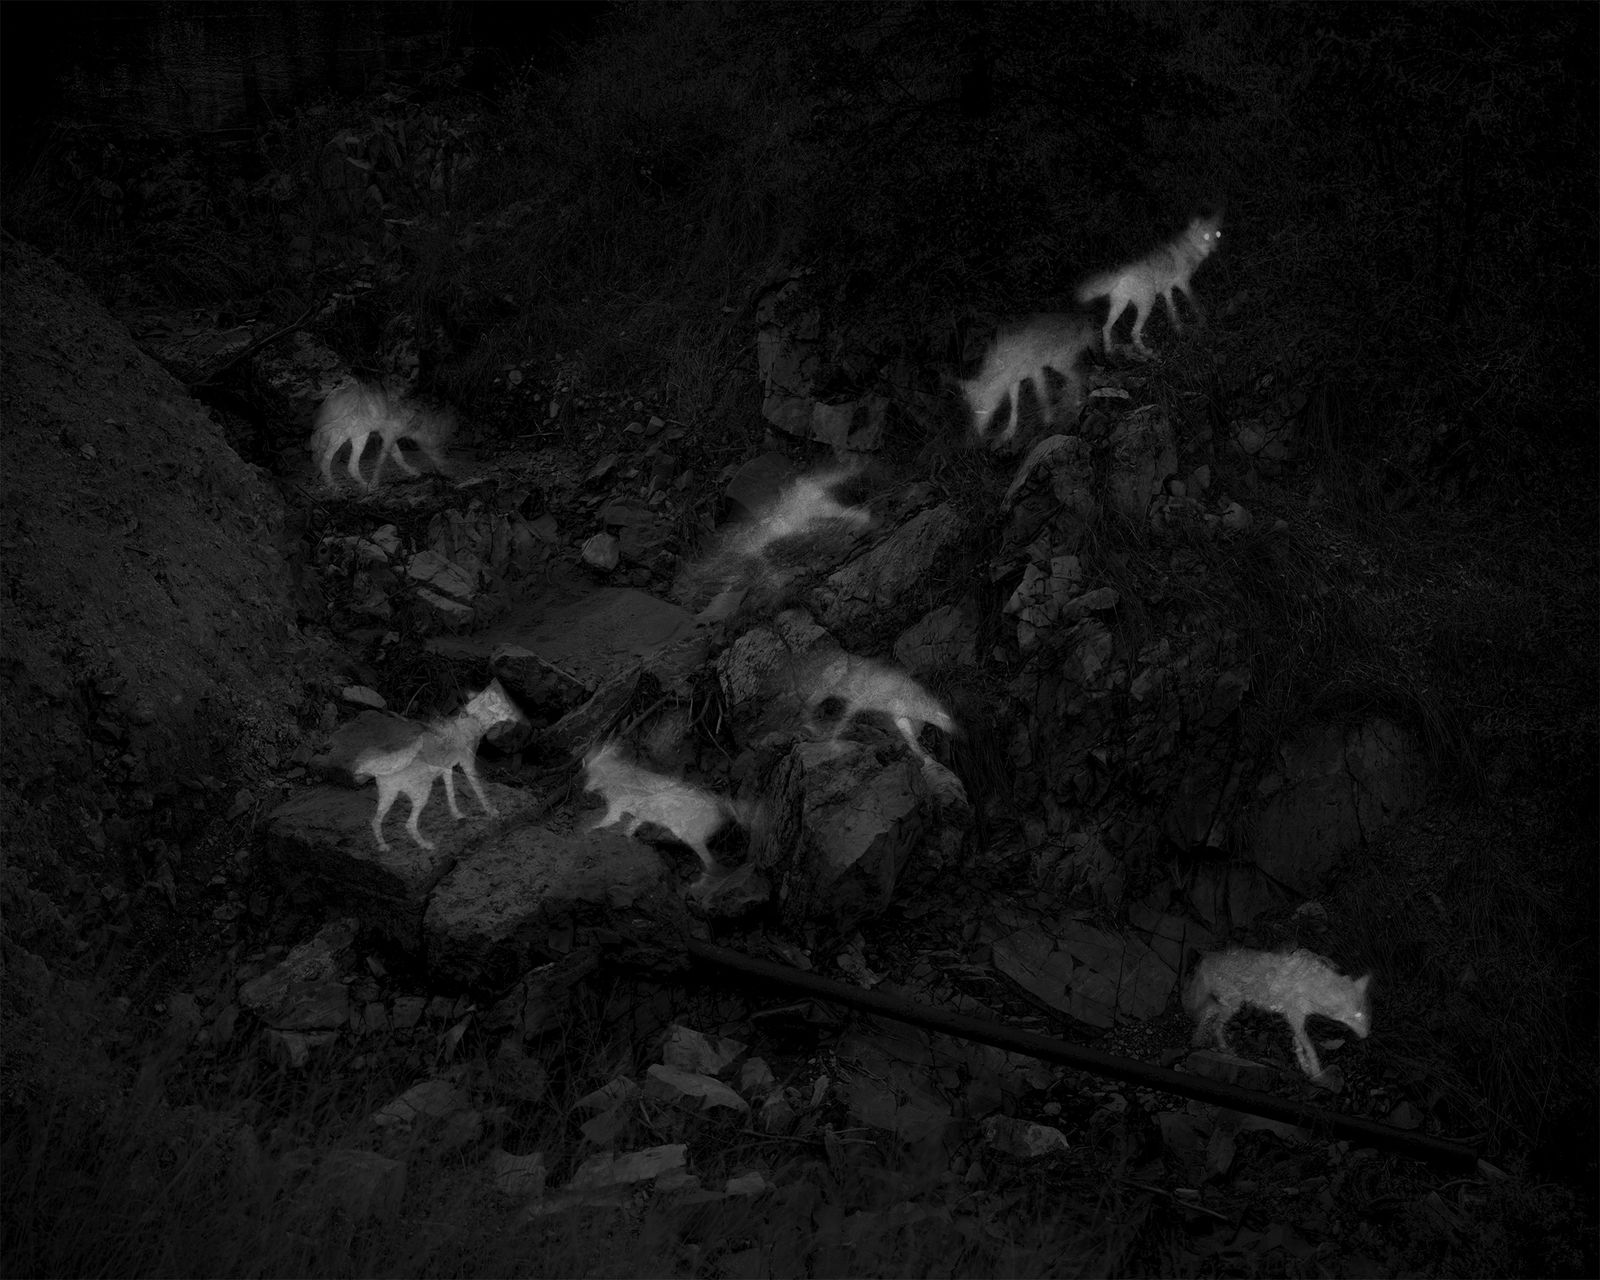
1319,1121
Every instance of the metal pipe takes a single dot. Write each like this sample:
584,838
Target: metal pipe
1330,1123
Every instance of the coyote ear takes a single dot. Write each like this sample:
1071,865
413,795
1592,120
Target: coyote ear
1361,983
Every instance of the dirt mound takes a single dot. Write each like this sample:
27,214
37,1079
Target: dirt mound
146,633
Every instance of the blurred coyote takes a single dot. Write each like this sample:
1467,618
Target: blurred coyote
805,506
1022,354
1162,272
633,793
1294,984
863,684
356,412
747,553
437,749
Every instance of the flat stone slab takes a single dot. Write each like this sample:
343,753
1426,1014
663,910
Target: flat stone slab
590,638
323,836
510,895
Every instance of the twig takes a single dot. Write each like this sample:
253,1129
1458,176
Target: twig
1176,1198
211,378
645,714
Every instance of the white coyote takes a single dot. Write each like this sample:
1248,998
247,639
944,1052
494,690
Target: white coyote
1293,984
1162,273
356,412
412,768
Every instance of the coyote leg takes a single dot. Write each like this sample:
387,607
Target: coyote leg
358,446
1304,1051
327,463
416,815
386,799
391,449
468,768
1141,315
450,793
1172,311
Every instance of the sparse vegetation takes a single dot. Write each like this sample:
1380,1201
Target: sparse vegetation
1407,278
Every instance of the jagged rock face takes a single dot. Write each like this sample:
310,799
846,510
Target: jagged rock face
882,588
847,819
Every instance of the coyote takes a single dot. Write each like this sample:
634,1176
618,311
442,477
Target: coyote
1294,984
1162,272
865,685
356,412
1022,354
745,554
436,751
691,815
805,506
